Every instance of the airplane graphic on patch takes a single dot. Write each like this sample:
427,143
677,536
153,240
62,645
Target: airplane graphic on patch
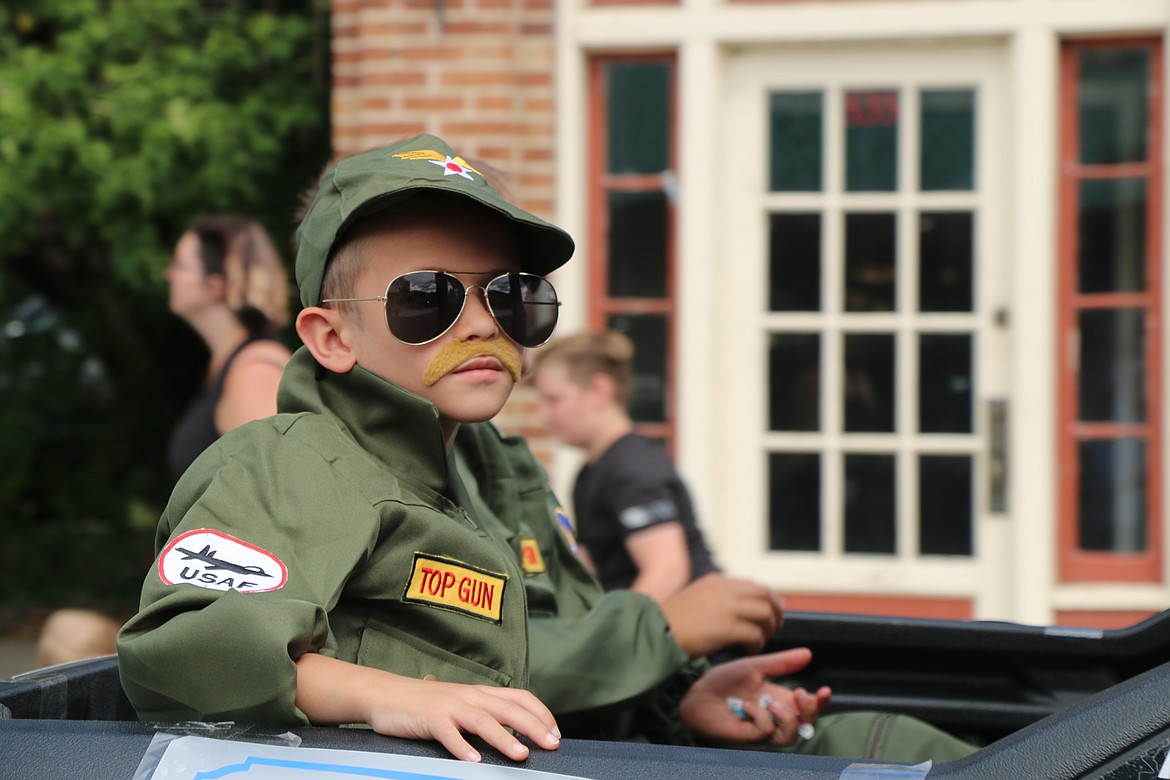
452,166
207,555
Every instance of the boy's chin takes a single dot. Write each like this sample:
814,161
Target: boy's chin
481,410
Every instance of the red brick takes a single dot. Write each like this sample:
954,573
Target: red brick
397,79
475,79
392,28
493,103
478,128
393,129
432,103
477,28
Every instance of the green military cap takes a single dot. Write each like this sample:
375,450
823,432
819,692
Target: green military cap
380,178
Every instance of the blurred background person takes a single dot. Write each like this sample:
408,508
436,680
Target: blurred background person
229,283
634,518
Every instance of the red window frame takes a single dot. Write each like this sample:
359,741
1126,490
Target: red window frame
602,306
1075,564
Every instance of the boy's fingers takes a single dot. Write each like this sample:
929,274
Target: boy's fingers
521,717
761,719
450,738
524,713
488,727
810,707
786,719
544,726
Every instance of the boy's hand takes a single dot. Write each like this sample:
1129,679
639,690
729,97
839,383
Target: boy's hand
705,710
716,611
445,711
331,691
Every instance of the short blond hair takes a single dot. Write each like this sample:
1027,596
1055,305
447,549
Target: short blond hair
586,354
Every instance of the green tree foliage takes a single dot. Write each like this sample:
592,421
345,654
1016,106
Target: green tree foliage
120,120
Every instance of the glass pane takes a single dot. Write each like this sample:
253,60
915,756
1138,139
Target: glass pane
947,156
1114,90
648,332
637,244
1113,368
944,505
869,504
869,382
1112,235
870,262
795,262
639,116
944,383
946,261
794,504
1112,495
871,140
794,382
795,141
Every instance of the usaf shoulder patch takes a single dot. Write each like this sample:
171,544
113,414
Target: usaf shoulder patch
217,561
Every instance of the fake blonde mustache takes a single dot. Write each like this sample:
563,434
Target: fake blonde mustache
456,353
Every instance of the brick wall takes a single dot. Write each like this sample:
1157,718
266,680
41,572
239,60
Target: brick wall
478,73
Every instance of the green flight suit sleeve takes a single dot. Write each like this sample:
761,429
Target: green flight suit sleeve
196,653
606,664
600,649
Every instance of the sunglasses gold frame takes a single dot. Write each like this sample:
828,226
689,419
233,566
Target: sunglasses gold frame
467,288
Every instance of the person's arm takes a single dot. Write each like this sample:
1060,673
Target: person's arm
333,692
249,389
663,561
717,611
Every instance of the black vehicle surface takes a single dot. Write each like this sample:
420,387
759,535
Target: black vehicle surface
1045,703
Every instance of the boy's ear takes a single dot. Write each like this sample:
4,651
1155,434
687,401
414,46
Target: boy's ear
325,333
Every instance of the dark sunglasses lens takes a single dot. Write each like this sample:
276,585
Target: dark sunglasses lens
525,307
421,305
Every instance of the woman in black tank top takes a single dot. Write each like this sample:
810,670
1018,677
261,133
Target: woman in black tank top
228,282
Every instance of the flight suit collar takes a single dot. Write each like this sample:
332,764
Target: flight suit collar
395,426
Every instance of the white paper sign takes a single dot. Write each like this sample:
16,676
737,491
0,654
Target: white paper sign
199,758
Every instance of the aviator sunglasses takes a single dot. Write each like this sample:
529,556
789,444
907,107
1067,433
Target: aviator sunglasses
423,305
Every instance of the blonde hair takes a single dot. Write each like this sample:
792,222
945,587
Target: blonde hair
586,354
256,281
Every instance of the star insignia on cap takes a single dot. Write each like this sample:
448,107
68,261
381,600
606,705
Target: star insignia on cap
452,166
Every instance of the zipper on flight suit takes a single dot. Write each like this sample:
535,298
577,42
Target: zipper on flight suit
467,516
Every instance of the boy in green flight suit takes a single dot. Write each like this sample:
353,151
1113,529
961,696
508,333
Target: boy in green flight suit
324,565
327,565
